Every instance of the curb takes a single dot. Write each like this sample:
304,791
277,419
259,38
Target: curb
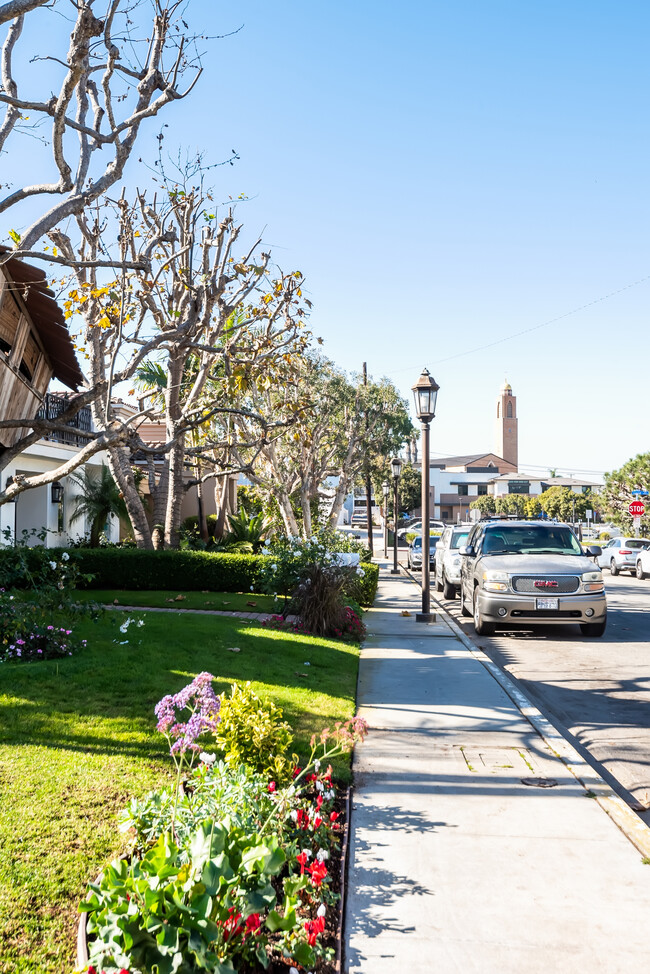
632,827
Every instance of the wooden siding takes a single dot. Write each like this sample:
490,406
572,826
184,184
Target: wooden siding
25,371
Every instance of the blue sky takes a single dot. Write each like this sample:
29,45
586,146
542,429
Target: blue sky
447,175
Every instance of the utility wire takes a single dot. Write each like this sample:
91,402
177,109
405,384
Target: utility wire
527,331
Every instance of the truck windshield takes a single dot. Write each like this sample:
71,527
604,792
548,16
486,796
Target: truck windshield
533,539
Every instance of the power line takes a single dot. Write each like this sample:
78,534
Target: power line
527,331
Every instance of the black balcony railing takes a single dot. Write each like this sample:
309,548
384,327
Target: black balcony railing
53,406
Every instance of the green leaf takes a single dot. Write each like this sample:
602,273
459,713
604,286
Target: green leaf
304,954
275,922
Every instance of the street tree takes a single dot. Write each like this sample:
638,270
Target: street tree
115,72
486,504
342,425
565,504
618,493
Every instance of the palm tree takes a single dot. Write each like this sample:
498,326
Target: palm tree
99,498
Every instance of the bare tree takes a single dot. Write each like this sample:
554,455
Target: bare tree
106,92
103,99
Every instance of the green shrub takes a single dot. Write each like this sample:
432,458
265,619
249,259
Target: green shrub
604,536
251,732
366,586
130,568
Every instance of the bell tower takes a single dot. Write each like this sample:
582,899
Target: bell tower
506,426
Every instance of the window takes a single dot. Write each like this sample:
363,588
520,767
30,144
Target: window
509,412
518,486
481,490
463,490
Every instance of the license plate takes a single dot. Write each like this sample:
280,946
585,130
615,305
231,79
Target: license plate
547,603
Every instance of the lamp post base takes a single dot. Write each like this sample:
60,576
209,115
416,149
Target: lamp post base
394,571
425,617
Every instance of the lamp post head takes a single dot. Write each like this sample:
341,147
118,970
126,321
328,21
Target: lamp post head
385,487
396,467
425,392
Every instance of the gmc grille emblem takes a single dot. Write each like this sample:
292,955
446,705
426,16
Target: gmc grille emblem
545,584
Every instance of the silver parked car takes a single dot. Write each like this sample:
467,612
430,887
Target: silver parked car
414,556
532,573
620,554
448,559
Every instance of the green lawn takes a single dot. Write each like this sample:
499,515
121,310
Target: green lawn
77,738
216,601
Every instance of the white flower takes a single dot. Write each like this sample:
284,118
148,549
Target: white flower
320,786
321,911
321,855
267,543
293,815
274,567
360,572
307,664
316,765
251,588
53,566
307,852
140,623
65,556
207,758
125,625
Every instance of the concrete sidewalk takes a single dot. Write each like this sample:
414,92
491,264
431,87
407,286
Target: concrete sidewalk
457,865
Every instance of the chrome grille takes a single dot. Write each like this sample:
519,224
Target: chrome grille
564,584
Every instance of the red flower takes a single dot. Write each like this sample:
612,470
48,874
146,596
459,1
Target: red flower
253,923
333,816
313,928
318,871
319,802
317,821
302,819
271,786
302,859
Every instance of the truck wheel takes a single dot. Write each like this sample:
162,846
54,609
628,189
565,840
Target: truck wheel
482,628
448,590
438,585
463,607
593,629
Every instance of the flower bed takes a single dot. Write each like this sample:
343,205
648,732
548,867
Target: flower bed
231,871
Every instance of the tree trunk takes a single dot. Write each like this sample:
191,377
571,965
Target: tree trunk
306,510
120,467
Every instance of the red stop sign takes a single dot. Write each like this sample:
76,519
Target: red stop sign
636,508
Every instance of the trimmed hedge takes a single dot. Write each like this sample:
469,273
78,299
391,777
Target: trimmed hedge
170,570
134,568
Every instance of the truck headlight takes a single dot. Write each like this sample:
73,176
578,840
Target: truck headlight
494,581
593,582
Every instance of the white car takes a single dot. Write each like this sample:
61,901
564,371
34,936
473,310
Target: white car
448,559
643,563
620,554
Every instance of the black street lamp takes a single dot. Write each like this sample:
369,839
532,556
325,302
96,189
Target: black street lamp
425,392
396,469
386,491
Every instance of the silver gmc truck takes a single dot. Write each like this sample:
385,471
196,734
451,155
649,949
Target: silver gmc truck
533,573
